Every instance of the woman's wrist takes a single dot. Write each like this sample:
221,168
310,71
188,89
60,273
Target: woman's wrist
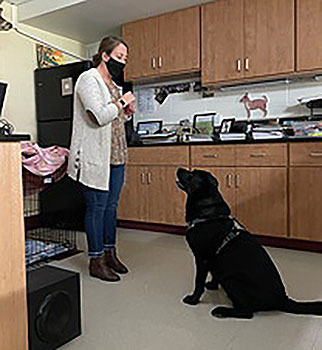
118,105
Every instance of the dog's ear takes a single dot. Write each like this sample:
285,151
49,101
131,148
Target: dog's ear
212,180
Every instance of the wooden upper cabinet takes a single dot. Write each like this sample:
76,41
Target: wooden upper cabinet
222,41
269,37
163,45
247,39
141,38
309,28
179,41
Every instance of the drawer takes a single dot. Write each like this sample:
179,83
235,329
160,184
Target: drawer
266,154
159,155
212,156
306,153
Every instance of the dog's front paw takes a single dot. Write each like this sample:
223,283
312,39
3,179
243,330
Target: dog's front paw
191,300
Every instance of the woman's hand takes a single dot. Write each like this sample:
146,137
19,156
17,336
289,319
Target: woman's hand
128,98
130,108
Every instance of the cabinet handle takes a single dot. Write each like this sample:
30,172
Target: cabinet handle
142,178
246,64
239,65
153,62
149,180
230,180
210,155
258,155
160,61
236,180
315,154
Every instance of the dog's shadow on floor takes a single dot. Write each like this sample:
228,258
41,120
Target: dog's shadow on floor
215,297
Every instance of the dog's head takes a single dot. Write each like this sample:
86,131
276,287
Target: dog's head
204,200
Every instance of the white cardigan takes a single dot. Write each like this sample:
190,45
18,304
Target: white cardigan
89,160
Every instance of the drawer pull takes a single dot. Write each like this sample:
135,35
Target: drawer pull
236,180
314,154
239,65
153,63
229,180
258,155
149,178
210,155
142,178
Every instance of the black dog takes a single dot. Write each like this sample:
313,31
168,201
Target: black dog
232,255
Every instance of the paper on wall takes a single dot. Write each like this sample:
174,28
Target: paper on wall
145,101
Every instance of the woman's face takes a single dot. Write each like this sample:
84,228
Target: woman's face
119,53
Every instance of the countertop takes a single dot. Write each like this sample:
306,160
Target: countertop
15,138
230,142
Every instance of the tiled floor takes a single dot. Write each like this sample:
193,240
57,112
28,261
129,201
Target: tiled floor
144,311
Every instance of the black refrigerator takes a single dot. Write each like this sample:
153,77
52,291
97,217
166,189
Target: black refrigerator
61,204
54,89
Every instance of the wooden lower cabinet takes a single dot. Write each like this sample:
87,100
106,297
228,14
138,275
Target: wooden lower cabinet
262,200
150,195
132,203
257,197
226,178
305,203
166,202
274,190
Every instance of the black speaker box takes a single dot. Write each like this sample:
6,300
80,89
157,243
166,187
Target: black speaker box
54,316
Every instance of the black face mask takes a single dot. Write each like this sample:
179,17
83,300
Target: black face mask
116,70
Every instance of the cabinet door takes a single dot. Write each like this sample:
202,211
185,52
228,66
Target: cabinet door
141,37
226,178
308,32
179,41
269,37
262,200
133,199
166,202
222,41
305,203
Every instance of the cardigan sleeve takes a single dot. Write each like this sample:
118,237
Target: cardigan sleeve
90,94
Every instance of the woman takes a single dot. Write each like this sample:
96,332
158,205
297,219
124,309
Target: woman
98,152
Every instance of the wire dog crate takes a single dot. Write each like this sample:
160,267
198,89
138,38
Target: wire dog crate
47,237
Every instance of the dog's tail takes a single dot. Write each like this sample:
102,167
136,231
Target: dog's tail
302,308
265,98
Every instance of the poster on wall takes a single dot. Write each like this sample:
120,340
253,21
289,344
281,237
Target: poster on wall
48,57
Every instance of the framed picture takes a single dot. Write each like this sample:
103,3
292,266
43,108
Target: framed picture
226,125
204,123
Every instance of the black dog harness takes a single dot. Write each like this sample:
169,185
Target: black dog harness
236,230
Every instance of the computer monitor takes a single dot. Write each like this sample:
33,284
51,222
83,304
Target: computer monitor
3,89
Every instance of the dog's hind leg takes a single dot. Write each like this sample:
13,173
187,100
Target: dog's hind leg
226,312
213,284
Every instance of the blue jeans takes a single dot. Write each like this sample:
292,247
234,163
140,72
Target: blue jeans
101,213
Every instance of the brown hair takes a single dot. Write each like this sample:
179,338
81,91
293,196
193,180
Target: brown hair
108,44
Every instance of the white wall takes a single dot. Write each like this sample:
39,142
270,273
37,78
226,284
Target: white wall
283,102
18,61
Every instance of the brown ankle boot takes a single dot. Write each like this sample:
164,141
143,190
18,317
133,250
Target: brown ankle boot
113,262
98,269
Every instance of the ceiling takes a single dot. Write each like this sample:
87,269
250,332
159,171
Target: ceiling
88,21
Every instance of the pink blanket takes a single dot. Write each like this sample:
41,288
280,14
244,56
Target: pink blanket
42,161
